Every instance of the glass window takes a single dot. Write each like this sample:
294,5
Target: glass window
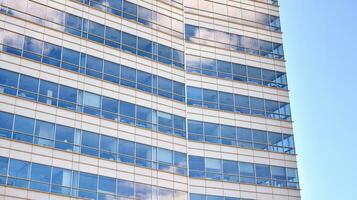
40,177
117,4
61,181
228,131
262,174
196,163
130,10
19,170
24,128
90,143
111,71
166,194
180,159
55,16
106,185
145,81
213,165
191,32
113,35
110,105
70,59
28,87
108,147
246,172
145,46
73,21
48,92
143,155
8,81
125,188
126,150
128,76
260,139
88,181
52,54
292,176
165,54
212,129
279,176
224,69
92,103
64,137
13,42
129,42
165,87
210,98
256,103
164,155
143,191
44,133
33,48
226,101
145,15
69,97
230,167
164,122
194,96
3,168
180,126
94,66
6,122
127,110
96,31
195,127
144,116
209,67
275,139
197,197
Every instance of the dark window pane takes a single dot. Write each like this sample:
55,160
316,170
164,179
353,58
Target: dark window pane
107,185
88,181
130,10
127,110
125,188
196,163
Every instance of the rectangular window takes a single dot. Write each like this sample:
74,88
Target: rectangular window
28,87
23,129
52,54
40,177
64,138
48,93
108,147
19,172
8,82
6,122
90,143
44,133
67,97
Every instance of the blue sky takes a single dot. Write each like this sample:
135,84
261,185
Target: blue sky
320,40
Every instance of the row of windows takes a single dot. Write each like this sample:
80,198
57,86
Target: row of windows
234,42
93,31
92,66
250,173
139,14
67,182
236,15
237,72
81,101
240,137
85,142
212,197
238,103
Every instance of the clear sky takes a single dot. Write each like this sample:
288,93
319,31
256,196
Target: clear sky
320,41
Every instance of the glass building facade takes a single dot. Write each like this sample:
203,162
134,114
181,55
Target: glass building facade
144,100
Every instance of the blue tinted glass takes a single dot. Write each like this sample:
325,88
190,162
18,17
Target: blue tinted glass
145,45
196,163
246,169
213,165
68,94
129,40
262,171
125,188
278,173
143,151
244,134
226,98
260,136
94,66
110,105
61,177
48,89
3,166
6,120
228,131
19,169
191,32
164,155
41,173
28,83
164,84
230,167
88,181
8,78
143,191
52,51
107,185
194,93
179,88
90,139
179,123
144,79
144,114
73,21
127,109
108,143
257,103
130,10
211,129
195,127
126,147
96,29
164,51
70,56
34,46
197,197
45,133
24,124
129,76
64,134
180,159
117,4
210,96
113,70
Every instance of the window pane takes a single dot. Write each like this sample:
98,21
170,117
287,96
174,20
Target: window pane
108,143
230,167
88,181
8,78
110,105
213,165
126,147
164,155
3,167
246,169
45,133
28,87
64,137
194,93
24,125
19,169
61,177
50,90
196,163
6,120
143,151
195,127
107,185
41,173
90,139
52,51
91,100
68,94
125,188
228,131
262,171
